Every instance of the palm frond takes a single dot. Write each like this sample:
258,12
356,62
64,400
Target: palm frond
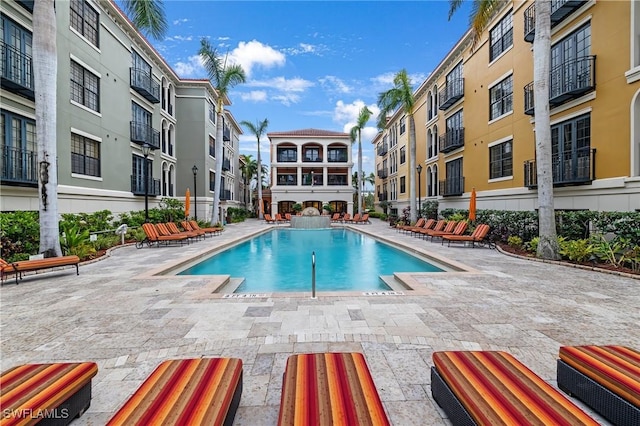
212,62
148,16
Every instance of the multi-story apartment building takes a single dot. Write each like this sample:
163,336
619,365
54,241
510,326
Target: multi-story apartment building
479,116
126,123
311,167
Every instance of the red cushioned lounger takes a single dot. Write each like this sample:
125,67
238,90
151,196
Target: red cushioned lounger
45,393
327,389
200,391
493,388
606,378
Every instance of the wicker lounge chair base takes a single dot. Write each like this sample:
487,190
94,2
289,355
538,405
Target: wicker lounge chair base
619,366
195,391
492,387
55,394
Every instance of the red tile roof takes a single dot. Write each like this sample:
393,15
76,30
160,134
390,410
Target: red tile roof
309,132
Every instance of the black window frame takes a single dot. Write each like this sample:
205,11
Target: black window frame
403,125
81,16
501,37
403,154
84,164
501,160
501,98
403,184
82,89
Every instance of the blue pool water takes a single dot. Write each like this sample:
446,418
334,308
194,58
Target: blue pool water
280,261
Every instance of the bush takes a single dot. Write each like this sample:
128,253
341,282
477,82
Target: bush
72,237
19,235
576,250
532,246
514,241
237,214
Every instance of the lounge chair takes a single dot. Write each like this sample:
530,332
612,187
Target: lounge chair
154,237
198,391
363,219
356,218
346,218
335,217
459,229
215,230
52,393
287,217
439,226
478,236
492,387
606,378
329,388
269,219
173,228
17,268
279,218
187,227
163,231
426,224
406,228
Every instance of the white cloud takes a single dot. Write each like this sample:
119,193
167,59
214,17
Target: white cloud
348,113
253,53
192,67
306,49
335,84
254,96
180,21
287,98
180,38
384,81
285,91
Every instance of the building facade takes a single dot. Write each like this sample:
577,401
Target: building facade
478,118
310,167
127,125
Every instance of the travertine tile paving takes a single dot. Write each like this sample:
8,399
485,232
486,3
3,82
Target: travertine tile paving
127,320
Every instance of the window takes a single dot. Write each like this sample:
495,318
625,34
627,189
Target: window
287,155
312,154
212,146
570,62
212,113
501,37
501,160
16,53
212,181
571,150
403,125
403,154
501,98
19,150
85,156
454,183
84,19
85,87
402,184
138,175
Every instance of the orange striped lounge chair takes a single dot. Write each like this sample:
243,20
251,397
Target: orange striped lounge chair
606,378
407,228
47,393
494,388
459,229
269,219
478,236
173,228
197,391
428,224
439,226
215,230
325,389
153,237
187,227
17,268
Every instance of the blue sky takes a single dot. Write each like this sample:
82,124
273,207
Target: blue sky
312,63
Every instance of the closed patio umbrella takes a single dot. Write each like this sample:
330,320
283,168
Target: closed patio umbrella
187,203
472,205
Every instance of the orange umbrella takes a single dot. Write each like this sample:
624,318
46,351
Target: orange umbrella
187,203
472,205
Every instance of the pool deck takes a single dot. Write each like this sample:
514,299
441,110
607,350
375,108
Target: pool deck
120,315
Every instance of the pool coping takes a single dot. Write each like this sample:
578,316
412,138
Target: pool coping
412,282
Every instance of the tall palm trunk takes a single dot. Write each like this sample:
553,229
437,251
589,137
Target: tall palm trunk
259,176
45,67
217,190
413,214
359,192
548,245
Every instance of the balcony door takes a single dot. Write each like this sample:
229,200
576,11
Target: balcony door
570,64
571,150
16,43
19,150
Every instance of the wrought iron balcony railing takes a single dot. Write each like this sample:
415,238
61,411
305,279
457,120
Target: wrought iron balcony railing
225,195
560,9
383,149
226,134
567,81
337,180
337,156
451,93
137,185
143,83
17,71
452,186
226,164
143,134
19,166
382,173
572,168
382,196
451,140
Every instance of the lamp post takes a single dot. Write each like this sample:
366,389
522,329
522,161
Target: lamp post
194,169
419,169
146,150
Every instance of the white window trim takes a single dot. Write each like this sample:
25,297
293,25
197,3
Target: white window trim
571,116
86,40
79,105
504,52
500,179
499,79
86,177
84,65
500,117
86,134
499,141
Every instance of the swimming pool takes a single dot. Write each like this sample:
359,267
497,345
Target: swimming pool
280,261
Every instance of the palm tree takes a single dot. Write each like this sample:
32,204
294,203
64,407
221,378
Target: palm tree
401,96
482,11
146,15
249,167
223,77
363,118
258,130
371,179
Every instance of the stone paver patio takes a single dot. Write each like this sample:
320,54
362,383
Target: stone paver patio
118,314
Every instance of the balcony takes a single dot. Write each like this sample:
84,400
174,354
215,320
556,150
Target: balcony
337,180
287,157
567,81
19,167
225,195
382,196
226,134
337,156
560,9
572,168
144,134
137,185
383,149
226,164
452,93
17,71
311,158
143,83
451,140
287,180
382,173
452,186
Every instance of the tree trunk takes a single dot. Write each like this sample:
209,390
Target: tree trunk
45,67
359,189
548,245
215,214
259,175
413,214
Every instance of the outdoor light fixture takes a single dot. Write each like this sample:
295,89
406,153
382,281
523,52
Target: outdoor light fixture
194,169
146,150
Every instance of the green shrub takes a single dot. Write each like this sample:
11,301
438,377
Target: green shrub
104,242
514,241
532,246
19,235
576,250
609,251
72,237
